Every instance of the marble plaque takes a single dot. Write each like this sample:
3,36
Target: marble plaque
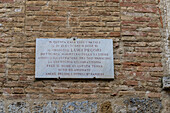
80,58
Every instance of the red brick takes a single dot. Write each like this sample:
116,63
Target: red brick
131,63
87,91
23,78
7,1
133,93
73,9
57,18
150,69
117,1
146,9
66,90
152,25
2,66
103,90
93,18
149,49
128,4
16,84
14,96
134,33
7,90
142,19
131,83
152,79
33,8
147,64
154,95
55,96
18,90
84,85
115,34
131,23
136,54
38,90
158,64
84,96
45,13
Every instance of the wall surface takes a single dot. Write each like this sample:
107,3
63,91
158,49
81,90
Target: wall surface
165,30
137,28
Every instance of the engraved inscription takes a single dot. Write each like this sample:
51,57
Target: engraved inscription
66,58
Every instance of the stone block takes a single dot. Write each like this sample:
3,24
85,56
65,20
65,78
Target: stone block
79,107
2,108
166,82
18,107
143,105
45,107
106,107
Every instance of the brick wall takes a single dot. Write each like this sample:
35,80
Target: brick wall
134,26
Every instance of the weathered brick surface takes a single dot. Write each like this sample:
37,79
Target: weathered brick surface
133,25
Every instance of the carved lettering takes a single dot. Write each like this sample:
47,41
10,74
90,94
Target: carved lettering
83,58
